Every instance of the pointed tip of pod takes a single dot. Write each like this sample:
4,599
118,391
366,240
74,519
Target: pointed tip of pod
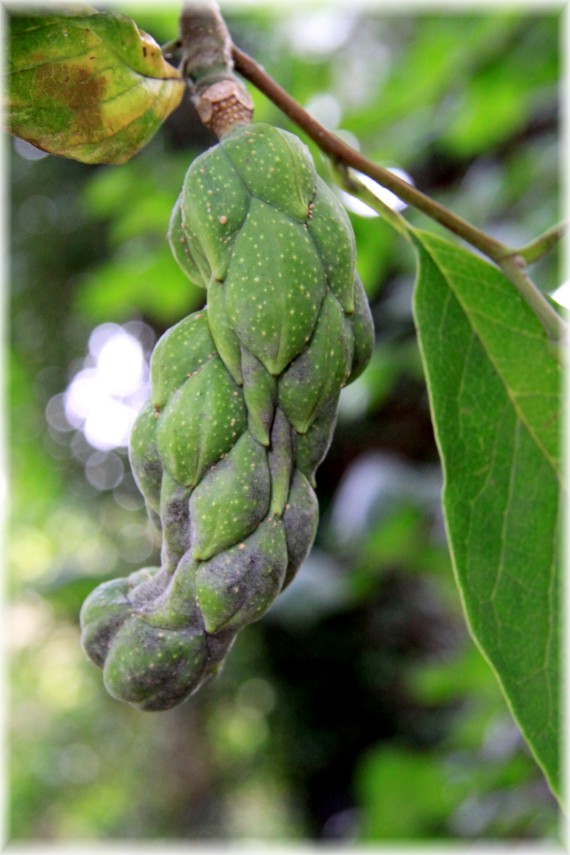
258,431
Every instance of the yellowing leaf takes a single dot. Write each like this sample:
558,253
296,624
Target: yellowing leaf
86,85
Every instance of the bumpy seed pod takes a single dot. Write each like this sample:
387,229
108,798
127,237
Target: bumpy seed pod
243,403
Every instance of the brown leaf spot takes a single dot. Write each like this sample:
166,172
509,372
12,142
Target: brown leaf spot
74,87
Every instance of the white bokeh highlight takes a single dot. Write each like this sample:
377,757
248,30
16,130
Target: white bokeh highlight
104,398
562,295
357,206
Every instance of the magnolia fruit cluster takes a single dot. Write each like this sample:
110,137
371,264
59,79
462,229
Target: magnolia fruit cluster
243,403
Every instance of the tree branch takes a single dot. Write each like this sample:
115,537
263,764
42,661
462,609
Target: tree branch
338,150
536,249
514,268
220,98
511,262
354,185
206,41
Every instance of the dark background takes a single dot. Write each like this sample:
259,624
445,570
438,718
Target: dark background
358,709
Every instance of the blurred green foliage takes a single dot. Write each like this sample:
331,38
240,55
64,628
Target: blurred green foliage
358,709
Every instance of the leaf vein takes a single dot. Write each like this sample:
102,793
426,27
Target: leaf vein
520,413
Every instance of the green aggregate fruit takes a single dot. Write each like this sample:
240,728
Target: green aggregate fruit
243,404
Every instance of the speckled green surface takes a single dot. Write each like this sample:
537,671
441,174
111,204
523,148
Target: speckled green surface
321,370
200,423
243,404
240,583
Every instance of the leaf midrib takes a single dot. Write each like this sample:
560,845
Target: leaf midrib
444,274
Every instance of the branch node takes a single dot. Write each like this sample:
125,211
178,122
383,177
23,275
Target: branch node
223,105
516,260
220,98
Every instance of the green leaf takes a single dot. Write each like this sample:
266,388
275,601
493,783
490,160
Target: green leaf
86,85
494,387
144,278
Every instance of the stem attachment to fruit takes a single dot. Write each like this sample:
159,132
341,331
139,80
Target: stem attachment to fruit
221,100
